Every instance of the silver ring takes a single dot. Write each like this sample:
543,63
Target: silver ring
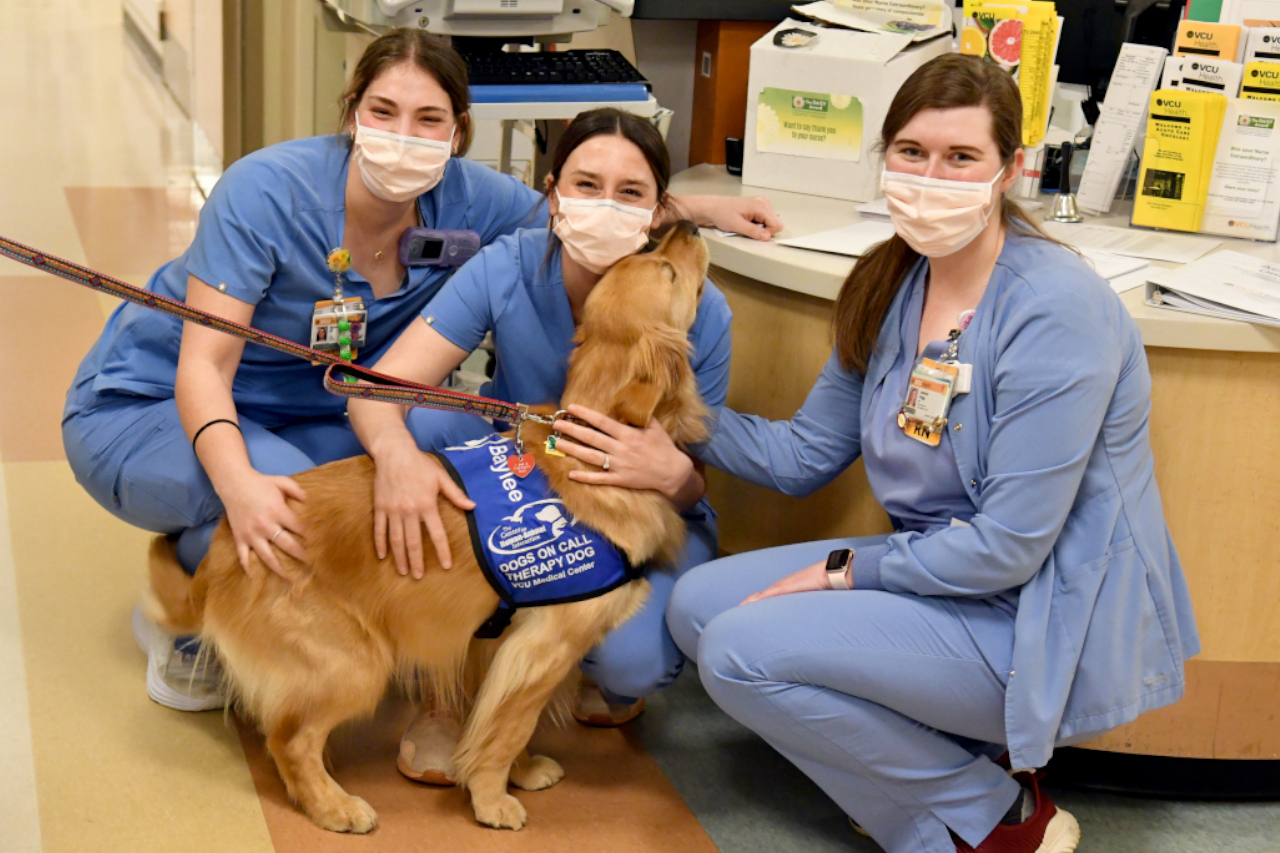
605,466
272,540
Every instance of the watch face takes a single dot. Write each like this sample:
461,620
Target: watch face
837,560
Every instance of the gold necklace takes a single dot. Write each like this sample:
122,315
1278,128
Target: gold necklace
380,254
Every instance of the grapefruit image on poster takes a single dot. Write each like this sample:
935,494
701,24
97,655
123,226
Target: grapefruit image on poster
809,124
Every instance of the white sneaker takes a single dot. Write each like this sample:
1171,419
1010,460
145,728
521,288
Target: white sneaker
426,750
592,709
176,678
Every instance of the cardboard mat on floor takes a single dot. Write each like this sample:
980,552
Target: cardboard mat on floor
613,797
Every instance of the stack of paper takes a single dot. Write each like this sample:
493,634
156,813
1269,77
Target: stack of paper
1122,273
1263,43
1227,284
1124,116
1261,81
1176,248
1209,41
1244,188
1218,76
918,21
850,240
1177,159
878,207
1023,39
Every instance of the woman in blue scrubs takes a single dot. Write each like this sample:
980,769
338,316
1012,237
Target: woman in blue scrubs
1030,595
170,427
607,190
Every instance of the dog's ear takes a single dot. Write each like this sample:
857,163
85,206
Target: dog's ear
656,367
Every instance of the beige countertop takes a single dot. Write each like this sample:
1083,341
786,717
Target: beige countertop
819,274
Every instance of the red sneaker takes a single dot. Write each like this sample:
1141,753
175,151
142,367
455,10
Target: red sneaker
1048,830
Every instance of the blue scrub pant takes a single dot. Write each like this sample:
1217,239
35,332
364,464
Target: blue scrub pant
132,456
892,703
640,657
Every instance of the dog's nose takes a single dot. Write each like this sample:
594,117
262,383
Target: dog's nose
688,226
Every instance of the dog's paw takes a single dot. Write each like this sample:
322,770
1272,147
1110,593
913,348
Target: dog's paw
350,814
501,812
537,773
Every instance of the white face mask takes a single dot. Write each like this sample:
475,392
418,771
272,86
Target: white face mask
937,217
399,168
599,232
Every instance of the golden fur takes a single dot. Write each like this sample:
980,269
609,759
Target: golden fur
302,658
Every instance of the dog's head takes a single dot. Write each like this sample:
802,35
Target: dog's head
632,362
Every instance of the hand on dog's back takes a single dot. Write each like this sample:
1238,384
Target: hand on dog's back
406,487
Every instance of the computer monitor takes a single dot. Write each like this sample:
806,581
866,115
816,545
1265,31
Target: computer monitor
517,19
1094,30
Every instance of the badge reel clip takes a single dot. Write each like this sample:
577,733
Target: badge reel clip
437,247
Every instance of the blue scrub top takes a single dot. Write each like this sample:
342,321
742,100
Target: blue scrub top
918,485
515,289
263,237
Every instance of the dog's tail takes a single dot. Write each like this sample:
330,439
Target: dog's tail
168,600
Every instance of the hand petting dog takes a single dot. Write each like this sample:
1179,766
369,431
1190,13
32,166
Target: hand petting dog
629,457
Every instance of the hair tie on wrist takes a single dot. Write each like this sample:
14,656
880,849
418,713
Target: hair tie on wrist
200,431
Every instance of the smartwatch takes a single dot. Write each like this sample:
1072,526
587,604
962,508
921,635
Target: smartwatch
838,565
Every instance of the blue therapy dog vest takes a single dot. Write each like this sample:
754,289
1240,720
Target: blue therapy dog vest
531,551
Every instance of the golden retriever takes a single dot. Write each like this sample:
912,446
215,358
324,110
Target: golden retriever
305,657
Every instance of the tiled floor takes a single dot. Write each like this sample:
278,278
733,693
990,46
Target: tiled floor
92,168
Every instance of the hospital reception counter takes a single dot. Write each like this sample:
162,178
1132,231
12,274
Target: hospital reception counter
1215,430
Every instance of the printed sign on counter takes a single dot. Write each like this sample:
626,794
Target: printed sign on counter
809,124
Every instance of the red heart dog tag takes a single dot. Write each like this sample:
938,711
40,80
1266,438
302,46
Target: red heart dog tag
520,465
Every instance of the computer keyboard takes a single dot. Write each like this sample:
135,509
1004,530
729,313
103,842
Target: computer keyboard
557,68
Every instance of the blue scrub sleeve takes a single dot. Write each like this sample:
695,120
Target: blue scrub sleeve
1058,365
798,456
714,346
464,309
510,203
240,239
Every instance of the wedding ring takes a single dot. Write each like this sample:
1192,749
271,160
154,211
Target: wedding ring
605,466
272,540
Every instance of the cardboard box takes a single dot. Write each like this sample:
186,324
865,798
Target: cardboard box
814,113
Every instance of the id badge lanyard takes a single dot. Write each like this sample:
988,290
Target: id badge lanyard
339,324
933,386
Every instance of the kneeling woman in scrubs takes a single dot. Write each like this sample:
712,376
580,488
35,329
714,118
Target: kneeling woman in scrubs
607,191
171,427
1031,595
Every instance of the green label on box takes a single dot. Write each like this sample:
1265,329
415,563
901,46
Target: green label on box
809,124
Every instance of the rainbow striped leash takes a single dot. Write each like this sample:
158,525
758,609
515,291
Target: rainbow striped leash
341,377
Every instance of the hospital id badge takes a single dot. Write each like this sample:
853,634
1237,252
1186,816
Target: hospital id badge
929,394
339,327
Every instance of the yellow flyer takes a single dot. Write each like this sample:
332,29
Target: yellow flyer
1177,159
1197,38
1261,81
1022,38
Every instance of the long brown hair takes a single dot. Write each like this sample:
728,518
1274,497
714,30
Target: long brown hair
943,83
429,54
